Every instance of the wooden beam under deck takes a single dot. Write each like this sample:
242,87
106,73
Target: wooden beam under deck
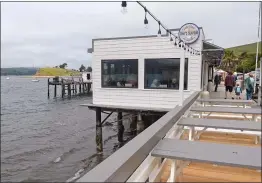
126,108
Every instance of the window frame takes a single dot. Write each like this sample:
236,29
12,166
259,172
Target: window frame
117,60
159,88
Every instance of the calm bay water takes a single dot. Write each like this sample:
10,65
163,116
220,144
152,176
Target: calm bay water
47,139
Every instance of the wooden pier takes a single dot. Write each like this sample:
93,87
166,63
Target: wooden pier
155,154
69,86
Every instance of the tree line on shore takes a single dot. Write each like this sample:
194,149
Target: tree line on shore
18,71
81,69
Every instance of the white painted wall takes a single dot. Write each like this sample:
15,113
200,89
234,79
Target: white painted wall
141,48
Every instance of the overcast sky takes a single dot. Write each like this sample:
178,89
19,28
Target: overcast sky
47,33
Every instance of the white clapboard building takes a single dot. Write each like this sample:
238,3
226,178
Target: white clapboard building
152,71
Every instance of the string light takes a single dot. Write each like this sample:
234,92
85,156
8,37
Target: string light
177,41
146,21
124,9
171,39
180,44
185,48
159,30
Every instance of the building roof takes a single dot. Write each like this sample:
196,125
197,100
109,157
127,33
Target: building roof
212,53
91,50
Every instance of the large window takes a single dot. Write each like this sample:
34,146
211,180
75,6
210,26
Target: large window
202,72
164,73
120,73
186,74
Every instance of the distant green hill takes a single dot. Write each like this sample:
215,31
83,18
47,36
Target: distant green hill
48,71
18,71
249,48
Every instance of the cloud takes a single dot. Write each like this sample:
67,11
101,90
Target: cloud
50,33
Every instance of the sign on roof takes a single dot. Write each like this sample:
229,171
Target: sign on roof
189,33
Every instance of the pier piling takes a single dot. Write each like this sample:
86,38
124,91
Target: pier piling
133,125
48,92
120,126
140,124
62,88
75,89
69,89
55,91
99,136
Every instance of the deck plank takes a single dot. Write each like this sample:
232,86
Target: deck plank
222,124
226,138
222,154
234,110
221,101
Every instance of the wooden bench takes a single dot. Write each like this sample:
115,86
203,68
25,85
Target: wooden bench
243,103
219,154
218,123
253,111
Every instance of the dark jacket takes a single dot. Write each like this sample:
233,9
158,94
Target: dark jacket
216,80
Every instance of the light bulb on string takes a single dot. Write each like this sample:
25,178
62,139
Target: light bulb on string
159,30
159,33
175,42
180,44
124,9
171,39
145,20
146,26
146,23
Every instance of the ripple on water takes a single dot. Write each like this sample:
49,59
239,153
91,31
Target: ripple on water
46,139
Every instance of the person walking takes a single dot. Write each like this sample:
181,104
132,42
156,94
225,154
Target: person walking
216,81
249,84
238,91
229,84
220,78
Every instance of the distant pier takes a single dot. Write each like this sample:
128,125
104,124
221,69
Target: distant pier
69,86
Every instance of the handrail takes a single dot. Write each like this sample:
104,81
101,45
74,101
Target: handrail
120,165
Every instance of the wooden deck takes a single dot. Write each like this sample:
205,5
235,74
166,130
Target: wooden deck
204,172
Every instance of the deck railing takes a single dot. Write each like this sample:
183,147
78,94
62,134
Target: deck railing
128,163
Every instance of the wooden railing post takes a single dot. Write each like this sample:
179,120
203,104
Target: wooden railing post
48,92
